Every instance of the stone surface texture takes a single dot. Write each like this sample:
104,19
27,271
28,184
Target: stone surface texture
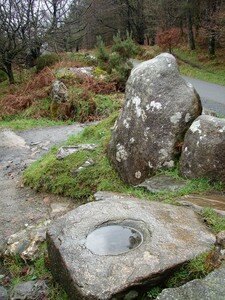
159,108
214,200
65,151
220,239
59,92
30,290
161,183
203,153
3,293
172,235
210,288
26,242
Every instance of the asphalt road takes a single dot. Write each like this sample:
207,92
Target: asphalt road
212,95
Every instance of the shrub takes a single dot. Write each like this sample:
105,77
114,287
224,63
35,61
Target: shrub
3,76
46,60
126,48
117,63
102,54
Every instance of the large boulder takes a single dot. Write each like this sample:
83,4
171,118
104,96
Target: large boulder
203,152
160,106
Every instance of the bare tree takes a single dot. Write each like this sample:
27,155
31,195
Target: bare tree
15,18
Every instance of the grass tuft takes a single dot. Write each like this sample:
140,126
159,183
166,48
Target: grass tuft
18,271
214,221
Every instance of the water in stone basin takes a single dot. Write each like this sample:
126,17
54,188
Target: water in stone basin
113,240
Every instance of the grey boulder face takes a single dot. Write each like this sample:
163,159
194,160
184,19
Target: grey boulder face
203,152
59,92
160,106
210,288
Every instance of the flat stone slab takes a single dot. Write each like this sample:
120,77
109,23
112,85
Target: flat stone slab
171,235
9,138
215,201
211,288
161,183
65,151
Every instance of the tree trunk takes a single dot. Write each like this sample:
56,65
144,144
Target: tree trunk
152,40
9,71
191,39
212,43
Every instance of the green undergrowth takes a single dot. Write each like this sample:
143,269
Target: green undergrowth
20,123
55,176
213,220
86,105
198,64
190,71
18,271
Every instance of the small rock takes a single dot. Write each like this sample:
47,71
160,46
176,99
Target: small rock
30,290
88,163
26,242
3,293
59,208
220,239
35,143
68,150
47,200
162,183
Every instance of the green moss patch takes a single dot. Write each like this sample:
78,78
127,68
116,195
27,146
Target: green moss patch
56,176
18,123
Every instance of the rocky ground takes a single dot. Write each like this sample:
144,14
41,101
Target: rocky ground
20,206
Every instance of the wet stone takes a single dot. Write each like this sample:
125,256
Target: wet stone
216,201
113,240
162,183
88,269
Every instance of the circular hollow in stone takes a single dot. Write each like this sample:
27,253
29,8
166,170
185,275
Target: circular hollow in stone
113,240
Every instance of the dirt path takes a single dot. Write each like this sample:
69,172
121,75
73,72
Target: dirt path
21,206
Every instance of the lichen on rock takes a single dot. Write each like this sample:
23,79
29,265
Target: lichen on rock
160,107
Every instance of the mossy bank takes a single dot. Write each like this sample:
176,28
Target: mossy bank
56,176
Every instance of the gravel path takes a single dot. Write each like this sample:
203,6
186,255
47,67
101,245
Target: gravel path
21,206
